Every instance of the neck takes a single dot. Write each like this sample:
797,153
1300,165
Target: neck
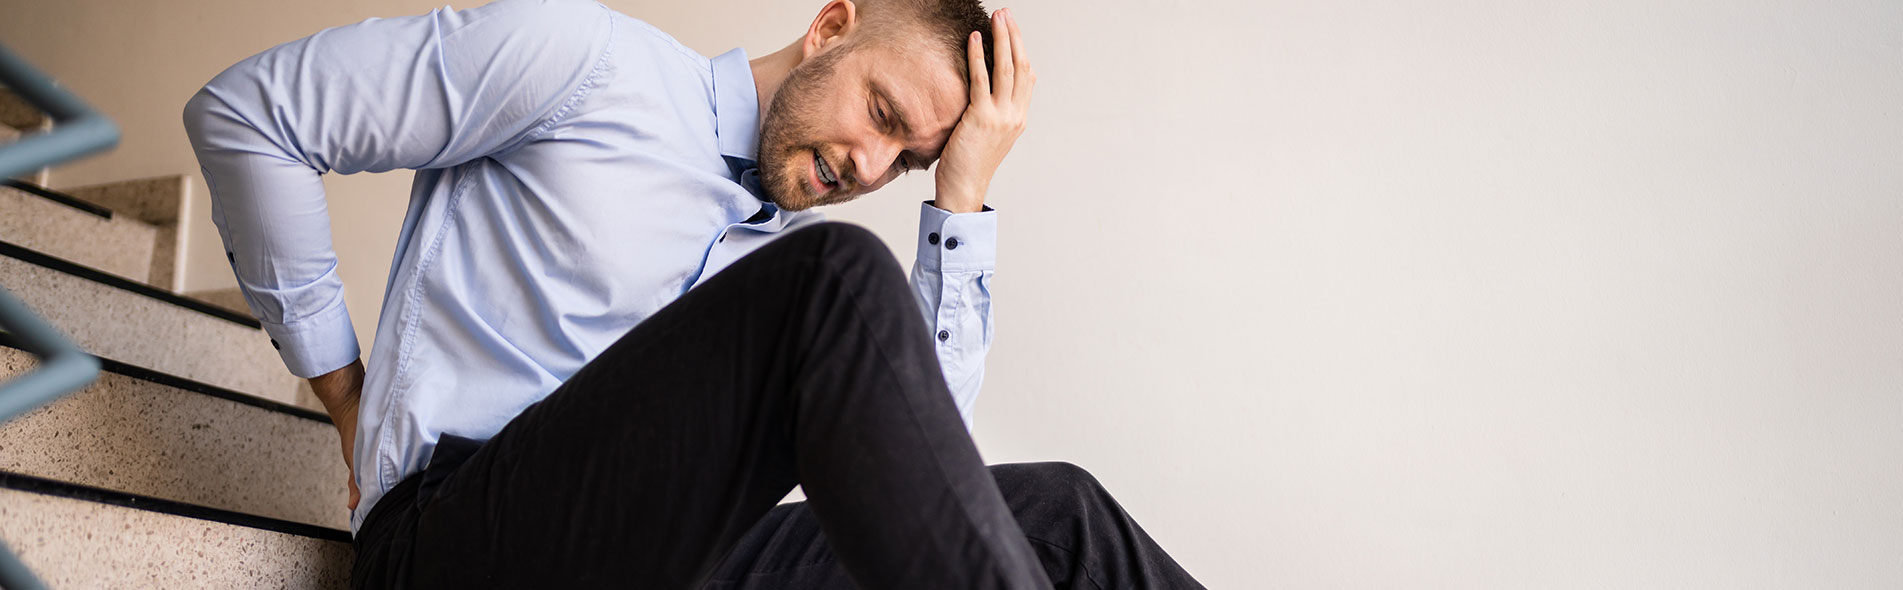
770,70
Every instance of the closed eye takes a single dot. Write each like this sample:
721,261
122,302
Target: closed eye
884,121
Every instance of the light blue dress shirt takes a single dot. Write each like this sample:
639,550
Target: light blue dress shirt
572,178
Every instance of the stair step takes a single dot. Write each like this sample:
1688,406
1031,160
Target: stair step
159,201
150,328
229,298
78,537
117,244
151,434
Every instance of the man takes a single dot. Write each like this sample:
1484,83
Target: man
592,368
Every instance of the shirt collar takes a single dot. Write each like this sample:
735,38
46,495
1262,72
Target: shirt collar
736,106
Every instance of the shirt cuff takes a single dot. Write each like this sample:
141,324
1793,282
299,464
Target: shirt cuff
316,344
951,242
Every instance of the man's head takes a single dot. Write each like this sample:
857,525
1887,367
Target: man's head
877,90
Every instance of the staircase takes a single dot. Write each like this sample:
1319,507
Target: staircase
195,460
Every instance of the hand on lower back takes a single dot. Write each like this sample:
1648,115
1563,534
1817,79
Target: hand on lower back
347,432
993,120
339,391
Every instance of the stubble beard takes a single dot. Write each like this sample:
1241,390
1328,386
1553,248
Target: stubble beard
785,151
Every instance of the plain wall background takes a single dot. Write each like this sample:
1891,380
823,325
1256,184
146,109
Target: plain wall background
1358,294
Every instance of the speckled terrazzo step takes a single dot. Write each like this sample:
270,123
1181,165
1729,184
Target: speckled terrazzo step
74,538
231,298
158,201
149,328
152,434
118,244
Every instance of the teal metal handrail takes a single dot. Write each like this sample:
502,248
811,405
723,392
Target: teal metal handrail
78,130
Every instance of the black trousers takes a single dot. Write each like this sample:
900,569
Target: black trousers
659,464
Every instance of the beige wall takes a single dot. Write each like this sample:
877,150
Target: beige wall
1363,294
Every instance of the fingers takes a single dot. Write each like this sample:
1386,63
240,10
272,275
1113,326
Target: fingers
975,56
1020,63
1004,78
1010,76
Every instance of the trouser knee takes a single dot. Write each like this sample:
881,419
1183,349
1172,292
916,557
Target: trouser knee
843,243
847,251
1051,489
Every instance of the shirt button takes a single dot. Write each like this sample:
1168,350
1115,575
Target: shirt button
932,238
951,243
232,257
944,335
274,344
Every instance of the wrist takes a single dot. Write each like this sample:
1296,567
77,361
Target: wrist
338,390
960,200
957,208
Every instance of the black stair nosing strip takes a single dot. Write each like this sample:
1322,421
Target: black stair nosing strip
53,487
59,197
169,380
25,254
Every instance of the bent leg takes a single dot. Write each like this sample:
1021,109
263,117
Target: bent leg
1083,539
804,362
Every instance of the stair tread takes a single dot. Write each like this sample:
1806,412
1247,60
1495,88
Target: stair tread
120,245
132,435
145,330
78,543
157,200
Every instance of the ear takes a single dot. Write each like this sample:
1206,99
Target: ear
836,20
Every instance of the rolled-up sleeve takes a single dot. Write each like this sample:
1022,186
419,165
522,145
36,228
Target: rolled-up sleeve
426,91
957,253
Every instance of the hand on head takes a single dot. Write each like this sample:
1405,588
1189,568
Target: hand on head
1000,100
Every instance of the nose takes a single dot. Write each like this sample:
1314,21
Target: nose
872,162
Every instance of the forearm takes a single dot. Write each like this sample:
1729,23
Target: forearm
269,209
339,390
952,282
957,234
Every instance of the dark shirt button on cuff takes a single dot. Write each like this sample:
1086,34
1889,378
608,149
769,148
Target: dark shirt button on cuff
932,238
951,243
274,344
944,335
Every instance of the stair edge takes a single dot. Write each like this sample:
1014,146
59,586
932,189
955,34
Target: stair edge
56,488
182,383
49,261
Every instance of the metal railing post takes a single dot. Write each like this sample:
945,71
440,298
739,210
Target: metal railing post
78,130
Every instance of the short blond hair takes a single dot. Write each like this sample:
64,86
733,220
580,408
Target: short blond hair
948,24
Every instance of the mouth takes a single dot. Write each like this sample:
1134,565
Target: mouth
824,178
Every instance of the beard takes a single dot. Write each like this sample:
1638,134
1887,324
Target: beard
786,148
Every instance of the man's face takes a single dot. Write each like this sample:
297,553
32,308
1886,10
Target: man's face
852,118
